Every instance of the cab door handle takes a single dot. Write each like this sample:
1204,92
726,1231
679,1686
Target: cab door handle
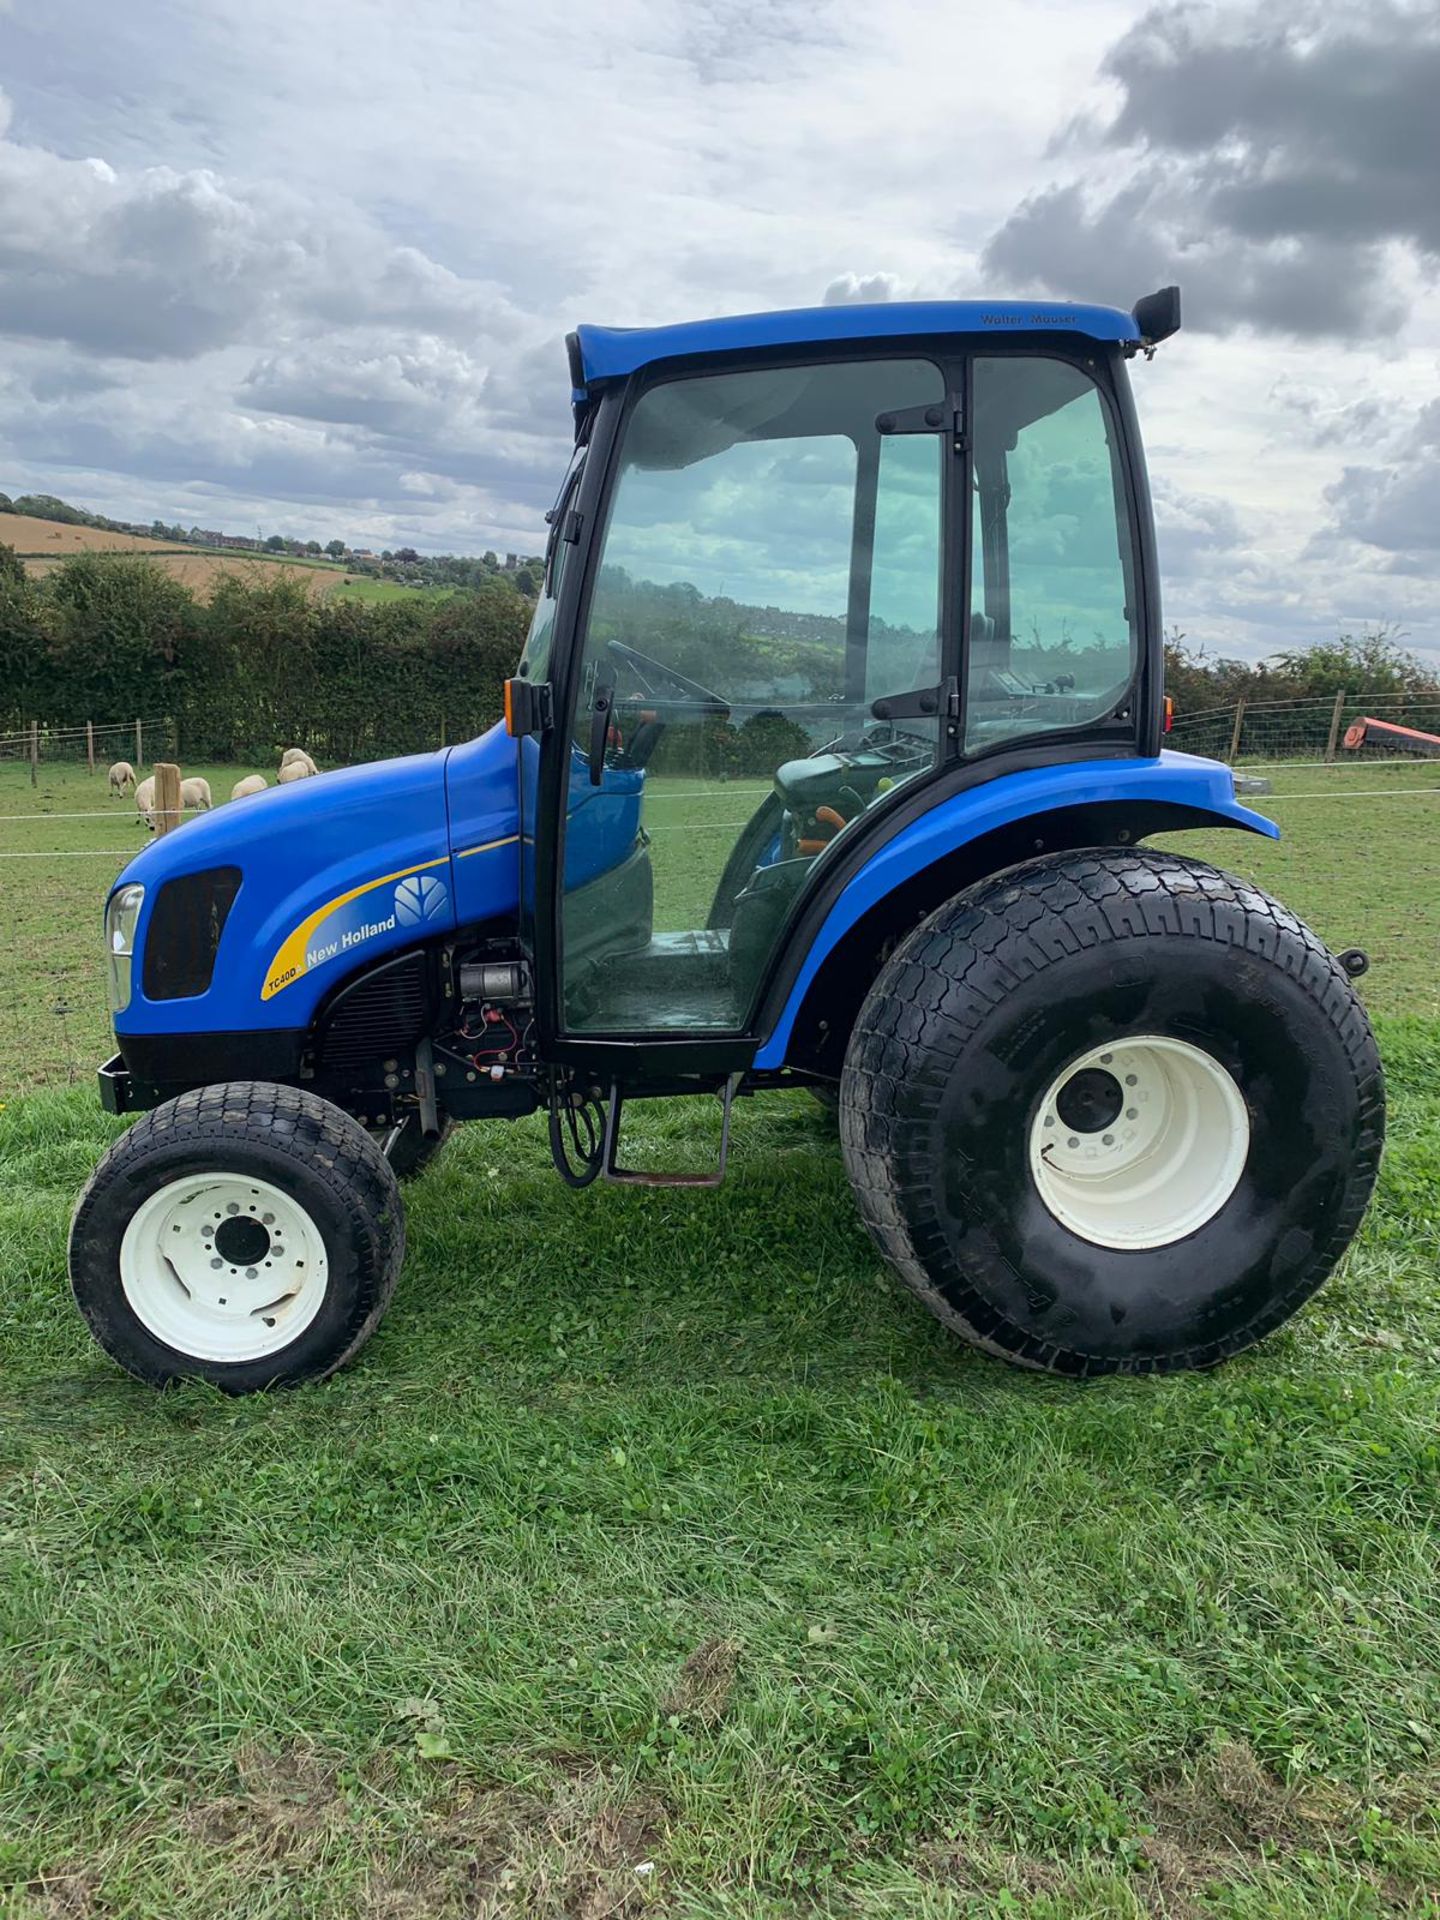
600,710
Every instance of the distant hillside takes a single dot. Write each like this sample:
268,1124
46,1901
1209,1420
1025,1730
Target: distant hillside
33,538
380,574
44,545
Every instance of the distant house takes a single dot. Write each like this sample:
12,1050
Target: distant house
361,553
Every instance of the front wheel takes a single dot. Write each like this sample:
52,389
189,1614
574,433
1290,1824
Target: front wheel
1112,1112
245,1234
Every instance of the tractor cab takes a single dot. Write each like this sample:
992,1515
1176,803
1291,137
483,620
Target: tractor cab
807,572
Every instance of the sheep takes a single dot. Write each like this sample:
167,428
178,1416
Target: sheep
252,783
296,770
120,777
195,794
145,801
297,756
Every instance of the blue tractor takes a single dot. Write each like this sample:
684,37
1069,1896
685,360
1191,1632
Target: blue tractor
829,762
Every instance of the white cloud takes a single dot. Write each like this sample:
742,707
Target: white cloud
314,266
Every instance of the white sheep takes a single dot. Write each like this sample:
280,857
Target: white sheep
296,770
145,801
297,756
252,783
120,778
195,794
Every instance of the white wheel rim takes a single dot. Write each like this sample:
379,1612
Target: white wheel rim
225,1268
1153,1170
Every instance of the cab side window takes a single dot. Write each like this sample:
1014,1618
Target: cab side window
1053,629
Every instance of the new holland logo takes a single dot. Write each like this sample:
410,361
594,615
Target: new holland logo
355,918
420,898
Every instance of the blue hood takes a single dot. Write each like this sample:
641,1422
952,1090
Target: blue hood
335,872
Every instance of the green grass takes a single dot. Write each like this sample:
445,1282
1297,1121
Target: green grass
661,1527
1358,859
362,587
660,1531
1360,869
62,843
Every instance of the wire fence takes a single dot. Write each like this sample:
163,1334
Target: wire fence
63,842
1321,732
90,745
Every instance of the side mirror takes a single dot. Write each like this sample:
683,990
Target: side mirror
1157,315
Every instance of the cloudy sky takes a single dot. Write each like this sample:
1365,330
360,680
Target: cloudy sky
310,266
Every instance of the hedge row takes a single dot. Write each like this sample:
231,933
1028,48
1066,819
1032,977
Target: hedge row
258,666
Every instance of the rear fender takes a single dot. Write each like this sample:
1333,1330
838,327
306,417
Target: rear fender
963,838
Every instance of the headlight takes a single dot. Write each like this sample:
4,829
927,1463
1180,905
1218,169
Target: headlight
121,913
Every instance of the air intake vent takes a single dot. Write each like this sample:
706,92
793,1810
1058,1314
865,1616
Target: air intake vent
384,1010
184,933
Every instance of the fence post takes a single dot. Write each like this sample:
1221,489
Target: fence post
34,753
1335,725
167,797
1235,730
139,749
90,744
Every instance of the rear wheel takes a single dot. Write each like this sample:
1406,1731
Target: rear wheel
1112,1111
245,1234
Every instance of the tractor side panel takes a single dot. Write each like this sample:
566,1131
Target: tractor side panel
335,872
482,783
1204,787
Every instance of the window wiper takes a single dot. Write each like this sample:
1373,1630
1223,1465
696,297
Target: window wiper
555,516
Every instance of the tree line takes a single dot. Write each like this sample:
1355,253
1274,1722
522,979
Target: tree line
260,666
1368,665
257,666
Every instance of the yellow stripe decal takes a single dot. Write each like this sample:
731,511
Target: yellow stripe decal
489,846
289,963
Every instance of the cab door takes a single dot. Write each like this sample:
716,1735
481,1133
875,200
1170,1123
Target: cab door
758,650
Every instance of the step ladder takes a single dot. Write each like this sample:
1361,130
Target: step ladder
639,1177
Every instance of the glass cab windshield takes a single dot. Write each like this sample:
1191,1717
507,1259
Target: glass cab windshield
770,567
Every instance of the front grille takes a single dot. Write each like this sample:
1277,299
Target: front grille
384,1010
184,933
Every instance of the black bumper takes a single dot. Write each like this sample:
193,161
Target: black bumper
116,1091
155,1067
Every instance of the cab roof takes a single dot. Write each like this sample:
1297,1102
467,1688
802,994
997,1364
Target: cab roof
609,353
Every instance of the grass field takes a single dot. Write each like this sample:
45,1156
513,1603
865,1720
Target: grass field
658,1556
44,544
375,592
1357,862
